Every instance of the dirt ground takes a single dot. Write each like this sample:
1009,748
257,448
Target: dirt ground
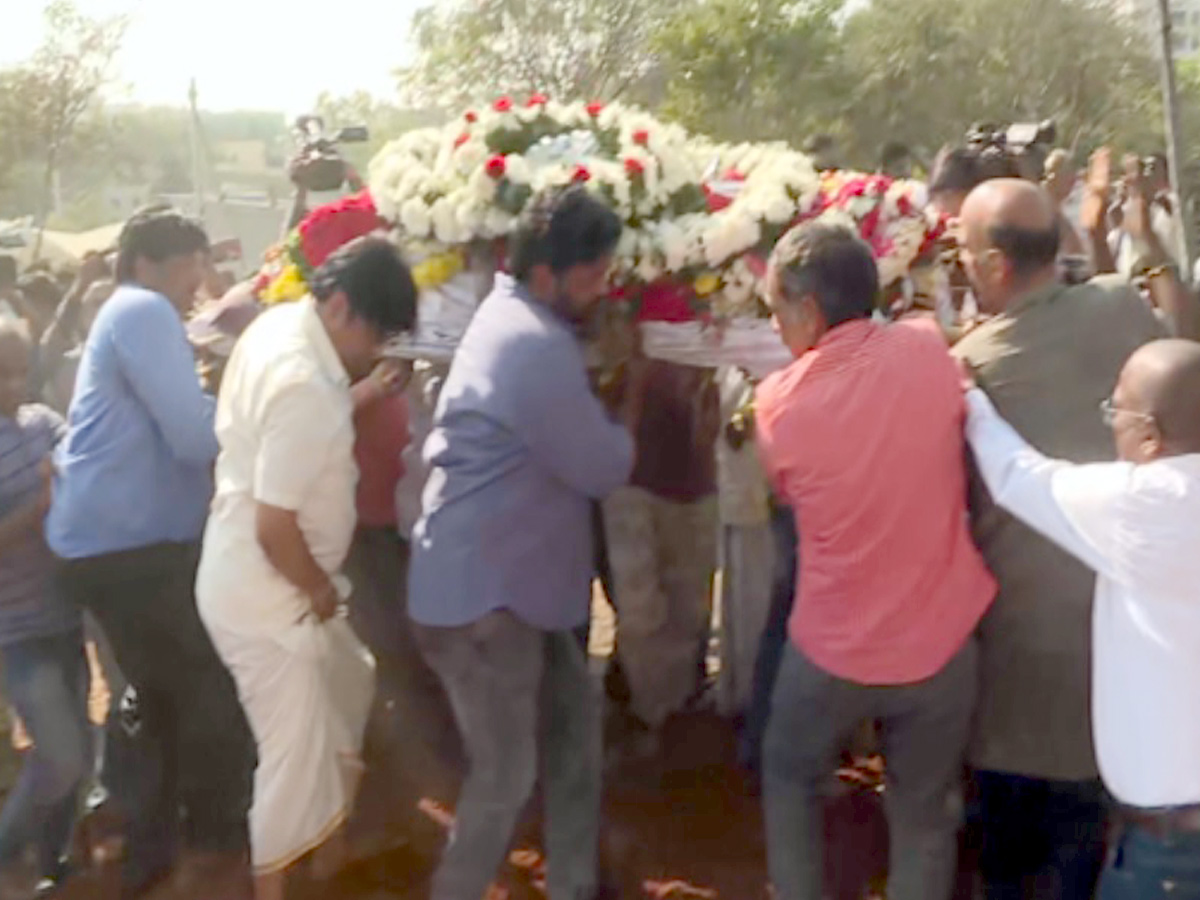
685,826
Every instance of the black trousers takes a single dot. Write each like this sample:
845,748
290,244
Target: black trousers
181,764
1042,840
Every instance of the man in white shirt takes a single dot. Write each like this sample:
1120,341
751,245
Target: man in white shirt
1135,522
280,528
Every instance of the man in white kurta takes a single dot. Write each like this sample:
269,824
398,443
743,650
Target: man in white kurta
284,422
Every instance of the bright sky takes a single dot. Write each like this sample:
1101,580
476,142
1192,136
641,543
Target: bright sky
244,54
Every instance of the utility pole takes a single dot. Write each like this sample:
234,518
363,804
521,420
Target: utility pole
1174,136
197,168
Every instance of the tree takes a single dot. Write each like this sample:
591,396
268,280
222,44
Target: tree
753,69
923,70
474,50
59,86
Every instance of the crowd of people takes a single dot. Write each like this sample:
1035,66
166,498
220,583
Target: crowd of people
977,540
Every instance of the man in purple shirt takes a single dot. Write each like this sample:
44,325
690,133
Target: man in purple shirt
502,555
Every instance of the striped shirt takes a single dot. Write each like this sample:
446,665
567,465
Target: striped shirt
863,437
30,607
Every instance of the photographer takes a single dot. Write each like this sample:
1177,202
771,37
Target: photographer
318,166
1147,252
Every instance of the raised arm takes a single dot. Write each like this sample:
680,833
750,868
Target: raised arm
1069,504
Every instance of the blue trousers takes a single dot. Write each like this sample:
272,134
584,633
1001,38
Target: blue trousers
1042,840
1143,866
46,679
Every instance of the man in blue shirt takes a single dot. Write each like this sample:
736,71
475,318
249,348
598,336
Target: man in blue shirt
502,556
131,494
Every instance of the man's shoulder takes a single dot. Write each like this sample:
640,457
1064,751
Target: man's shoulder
781,391
132,300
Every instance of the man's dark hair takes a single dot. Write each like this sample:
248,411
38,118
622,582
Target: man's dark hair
8,271
40,287
157,233
956,169
563,227
377,283
1027,250
833,265
894,152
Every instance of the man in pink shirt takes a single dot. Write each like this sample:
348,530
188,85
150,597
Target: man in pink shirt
862,437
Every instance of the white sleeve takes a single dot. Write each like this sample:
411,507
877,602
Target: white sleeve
1076,506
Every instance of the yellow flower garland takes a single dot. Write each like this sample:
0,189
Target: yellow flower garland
289,284
436,270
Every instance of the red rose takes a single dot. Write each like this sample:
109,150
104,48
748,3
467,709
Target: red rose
538,100
641,136
634,167
581,175
496,167
594,109
461,139
470,117
504,104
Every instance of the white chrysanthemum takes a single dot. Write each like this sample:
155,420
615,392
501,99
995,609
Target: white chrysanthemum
445,221
386,207
415,217
470,156
517,169
497,223
481,186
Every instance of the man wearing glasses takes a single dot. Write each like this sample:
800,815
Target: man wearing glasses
268,588
1046,357
1136,524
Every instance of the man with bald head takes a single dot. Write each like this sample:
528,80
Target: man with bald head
1047,356
1136,524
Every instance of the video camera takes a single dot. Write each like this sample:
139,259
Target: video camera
318,166
1016,151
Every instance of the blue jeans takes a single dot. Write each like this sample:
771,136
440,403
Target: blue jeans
46,679
1145,867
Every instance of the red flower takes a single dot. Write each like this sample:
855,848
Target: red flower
665,301
870,224
461,139
641,136
496,167
904,206
470,117
634,167
504,104
329,227
538,100
581,175
594,109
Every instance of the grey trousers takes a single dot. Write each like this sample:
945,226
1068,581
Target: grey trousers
521,696
924,733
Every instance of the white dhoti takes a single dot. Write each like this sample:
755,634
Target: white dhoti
307,692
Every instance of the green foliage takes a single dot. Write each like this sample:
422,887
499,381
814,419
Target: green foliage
923,70
753,69
471,51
